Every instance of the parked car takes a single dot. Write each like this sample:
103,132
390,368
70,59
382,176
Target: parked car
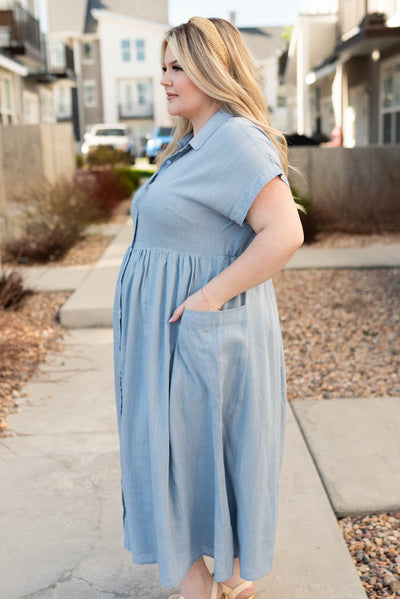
114,135
159,140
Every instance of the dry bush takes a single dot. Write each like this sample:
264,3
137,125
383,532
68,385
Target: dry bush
12,291
104,155
105,187
53,221
57,214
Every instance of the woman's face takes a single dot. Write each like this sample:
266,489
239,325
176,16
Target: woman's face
184,98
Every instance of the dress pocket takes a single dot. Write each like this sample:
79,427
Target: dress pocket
215,317
210,359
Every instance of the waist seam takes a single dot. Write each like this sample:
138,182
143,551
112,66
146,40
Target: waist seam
183,253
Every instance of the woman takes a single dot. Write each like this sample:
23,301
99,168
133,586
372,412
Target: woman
199,366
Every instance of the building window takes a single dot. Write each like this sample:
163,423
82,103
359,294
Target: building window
7,112
140,53
88,55
129,104
63,106
89,93
126,50
281,101
390,105
143,90
135,98
46,106
31,107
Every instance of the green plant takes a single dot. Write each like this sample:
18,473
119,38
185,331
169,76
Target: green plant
129,179
144,172
104,155
307,215
79,160
12,291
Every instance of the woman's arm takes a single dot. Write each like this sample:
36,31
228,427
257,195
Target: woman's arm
273,216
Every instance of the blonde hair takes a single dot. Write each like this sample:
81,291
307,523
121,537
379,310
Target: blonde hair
236,87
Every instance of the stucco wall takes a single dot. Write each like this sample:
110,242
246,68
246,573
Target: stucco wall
30,154
345,183
58,151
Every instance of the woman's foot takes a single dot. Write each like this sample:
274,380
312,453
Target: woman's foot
198,582
234,582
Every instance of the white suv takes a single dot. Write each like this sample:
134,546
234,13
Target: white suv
113,135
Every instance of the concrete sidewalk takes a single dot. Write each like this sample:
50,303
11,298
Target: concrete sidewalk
60,505
355,444
91,303
65,278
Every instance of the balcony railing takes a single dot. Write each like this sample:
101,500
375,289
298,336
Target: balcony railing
135,111
59,58
20,33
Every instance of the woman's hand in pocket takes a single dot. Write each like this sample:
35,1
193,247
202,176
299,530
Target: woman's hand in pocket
196,301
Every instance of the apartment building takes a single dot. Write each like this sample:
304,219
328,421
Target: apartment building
344,69
268,46
30,66
116,45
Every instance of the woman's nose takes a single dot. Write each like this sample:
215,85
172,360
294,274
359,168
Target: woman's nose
165,79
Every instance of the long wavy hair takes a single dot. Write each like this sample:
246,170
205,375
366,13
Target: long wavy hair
237,88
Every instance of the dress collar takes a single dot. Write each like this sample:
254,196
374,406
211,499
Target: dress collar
218,119
182,142
206,131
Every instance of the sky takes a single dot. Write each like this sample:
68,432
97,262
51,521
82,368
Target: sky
248,12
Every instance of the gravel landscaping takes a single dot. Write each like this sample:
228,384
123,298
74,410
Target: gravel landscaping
86,251
26,335
341,336
348,240
374,544
341,332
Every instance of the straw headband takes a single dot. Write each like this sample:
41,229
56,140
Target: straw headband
212,36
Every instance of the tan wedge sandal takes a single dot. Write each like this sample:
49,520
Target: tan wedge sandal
214,591
233,593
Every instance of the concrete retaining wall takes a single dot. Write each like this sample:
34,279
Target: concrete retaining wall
30,154
348,183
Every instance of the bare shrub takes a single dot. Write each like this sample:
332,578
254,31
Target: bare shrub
105,188
104,155
12,291
53,221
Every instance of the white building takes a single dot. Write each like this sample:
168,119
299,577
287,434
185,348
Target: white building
30,67
116,55
343,70
267,45
131,72
313,38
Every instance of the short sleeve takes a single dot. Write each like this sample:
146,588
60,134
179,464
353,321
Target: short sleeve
246,160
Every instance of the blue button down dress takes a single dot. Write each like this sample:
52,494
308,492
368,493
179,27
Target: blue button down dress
201,401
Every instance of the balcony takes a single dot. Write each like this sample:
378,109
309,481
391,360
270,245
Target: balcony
135,111
60,59
20,34
354,14
363,30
